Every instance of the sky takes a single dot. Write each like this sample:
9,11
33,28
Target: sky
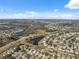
39,9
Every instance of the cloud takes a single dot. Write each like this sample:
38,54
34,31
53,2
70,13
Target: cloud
55,10
31,12
72,4
38,15
34,15
27,14
66,15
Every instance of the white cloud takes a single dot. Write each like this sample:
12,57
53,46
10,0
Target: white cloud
54,16
73,4
39,15
66,15
55,10
27,14
31,12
